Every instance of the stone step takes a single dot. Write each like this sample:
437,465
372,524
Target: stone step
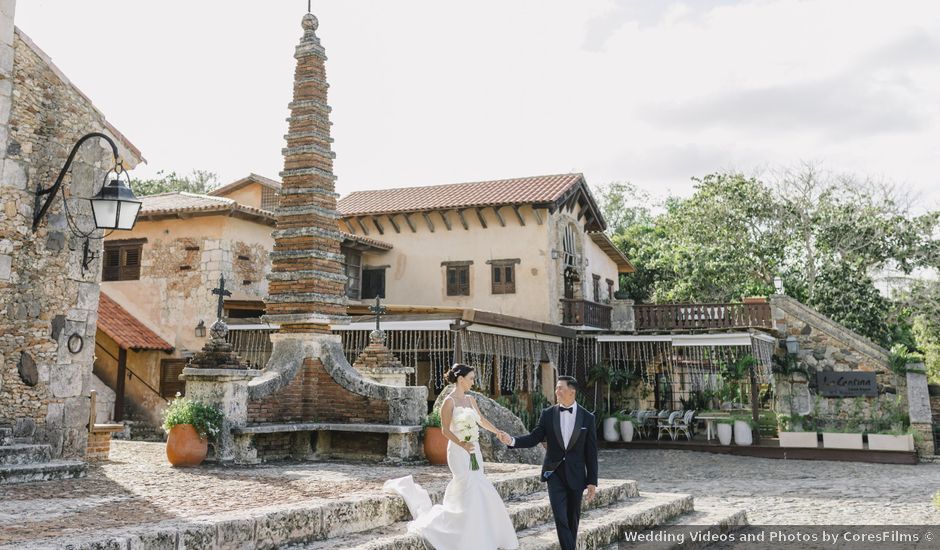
525,511
25,454
602,527
6,436
700,528
47,471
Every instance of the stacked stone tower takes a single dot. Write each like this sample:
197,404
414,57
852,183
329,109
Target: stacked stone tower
307,283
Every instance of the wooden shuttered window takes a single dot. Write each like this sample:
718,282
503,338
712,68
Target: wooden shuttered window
597,288
170,383
121,260
373,283
458,280
504,276
353,266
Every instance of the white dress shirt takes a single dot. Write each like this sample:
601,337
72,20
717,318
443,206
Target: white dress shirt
567,424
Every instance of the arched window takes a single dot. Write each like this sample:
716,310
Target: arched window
570,245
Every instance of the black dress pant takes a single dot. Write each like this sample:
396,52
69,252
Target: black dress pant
566,507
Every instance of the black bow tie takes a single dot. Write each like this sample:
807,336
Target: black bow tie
566,409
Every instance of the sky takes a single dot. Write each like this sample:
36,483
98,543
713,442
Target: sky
431,92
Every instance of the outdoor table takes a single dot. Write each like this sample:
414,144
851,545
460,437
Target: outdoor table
710,422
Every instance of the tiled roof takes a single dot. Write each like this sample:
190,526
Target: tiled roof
125,329
375,243
536,189
177,202
251,178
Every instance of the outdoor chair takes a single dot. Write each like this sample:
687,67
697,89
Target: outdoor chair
668,426
685,425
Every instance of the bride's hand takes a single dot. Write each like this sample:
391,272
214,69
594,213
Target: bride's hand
467,446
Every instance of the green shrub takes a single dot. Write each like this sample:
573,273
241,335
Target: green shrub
900,357
206,419
433,420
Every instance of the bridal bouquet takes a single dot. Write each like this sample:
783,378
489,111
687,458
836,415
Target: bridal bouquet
465,427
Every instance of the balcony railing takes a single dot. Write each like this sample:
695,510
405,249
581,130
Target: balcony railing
584,313
252,343
702,316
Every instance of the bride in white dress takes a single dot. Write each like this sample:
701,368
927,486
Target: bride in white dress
472,515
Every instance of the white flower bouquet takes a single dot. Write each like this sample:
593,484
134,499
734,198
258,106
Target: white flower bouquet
465,427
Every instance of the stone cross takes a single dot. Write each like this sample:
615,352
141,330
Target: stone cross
378,309
222,293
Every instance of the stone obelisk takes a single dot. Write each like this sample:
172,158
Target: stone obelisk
307,281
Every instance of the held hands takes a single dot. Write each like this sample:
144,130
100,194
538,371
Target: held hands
504,437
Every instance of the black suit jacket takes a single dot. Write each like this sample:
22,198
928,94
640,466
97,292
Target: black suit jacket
579,459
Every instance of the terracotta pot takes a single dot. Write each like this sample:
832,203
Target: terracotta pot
184,447
435,446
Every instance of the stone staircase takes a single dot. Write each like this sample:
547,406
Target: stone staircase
619,509
21,461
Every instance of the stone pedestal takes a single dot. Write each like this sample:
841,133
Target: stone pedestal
918,403
227,389
378,364
621,315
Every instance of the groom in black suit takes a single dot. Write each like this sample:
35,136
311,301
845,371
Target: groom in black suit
570,465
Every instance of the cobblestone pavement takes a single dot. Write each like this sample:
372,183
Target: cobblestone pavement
139,487
787,492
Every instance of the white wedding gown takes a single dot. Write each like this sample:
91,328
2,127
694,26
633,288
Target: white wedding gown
472,515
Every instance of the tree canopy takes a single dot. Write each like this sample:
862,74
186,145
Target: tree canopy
829,237
199,181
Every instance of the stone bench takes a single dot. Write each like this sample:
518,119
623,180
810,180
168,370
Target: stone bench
401,442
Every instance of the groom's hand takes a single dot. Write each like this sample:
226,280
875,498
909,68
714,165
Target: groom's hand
504,438
591,492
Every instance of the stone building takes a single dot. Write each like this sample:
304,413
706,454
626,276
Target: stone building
48,294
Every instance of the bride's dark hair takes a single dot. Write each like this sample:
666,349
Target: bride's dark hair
456,371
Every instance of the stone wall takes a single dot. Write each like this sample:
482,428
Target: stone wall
46,295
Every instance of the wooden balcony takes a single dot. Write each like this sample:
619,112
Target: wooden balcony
663,317
584,313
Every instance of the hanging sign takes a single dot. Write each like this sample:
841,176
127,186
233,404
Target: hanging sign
847,384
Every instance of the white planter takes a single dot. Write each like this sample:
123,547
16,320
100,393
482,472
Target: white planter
886,442
742,433
724,434
799,439
837,440
626,430
610,430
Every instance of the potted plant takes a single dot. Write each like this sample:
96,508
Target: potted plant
435,444
626,426
725,426
189,425
843,434
887,430
601,373
791,432
743,427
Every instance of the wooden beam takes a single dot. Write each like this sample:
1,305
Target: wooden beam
480,217
427,219
580,214
391,220
538,217
499,216
443,214
411,224
362,226
349,226
119,391
378,225
463,220
515,209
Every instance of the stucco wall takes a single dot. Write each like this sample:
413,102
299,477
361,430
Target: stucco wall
171,299
415,275
144,370
46,295
249,195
